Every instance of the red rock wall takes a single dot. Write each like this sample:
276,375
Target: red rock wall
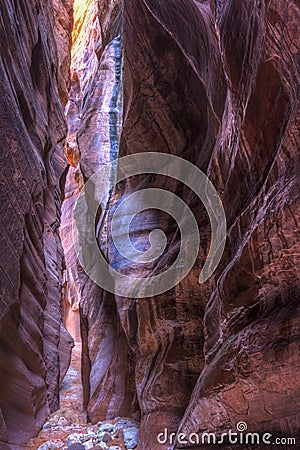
238,121
174,98
34,345
251,322
94,116
215,83
84,62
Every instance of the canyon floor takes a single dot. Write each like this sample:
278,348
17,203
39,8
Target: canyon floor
69,426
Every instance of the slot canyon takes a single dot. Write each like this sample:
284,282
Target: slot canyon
84,84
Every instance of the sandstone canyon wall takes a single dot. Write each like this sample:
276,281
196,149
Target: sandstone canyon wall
251,324
34,344
216,83
94,117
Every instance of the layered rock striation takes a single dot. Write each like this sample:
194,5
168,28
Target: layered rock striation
93,115
34,344
215,83
251,323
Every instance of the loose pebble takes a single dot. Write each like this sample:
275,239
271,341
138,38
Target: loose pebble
51,445
130,437
89,444
119,435
76,446
104,436
74,438
106,427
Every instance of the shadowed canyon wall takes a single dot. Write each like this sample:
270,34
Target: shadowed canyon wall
34,344
216,83
251,323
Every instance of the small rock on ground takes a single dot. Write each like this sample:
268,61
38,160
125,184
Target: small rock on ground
76,446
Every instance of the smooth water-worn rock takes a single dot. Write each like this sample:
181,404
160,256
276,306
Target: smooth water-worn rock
63,25
34,346
85,74
252,316
76,446
94,116
131,437
215,83
85,34
242,133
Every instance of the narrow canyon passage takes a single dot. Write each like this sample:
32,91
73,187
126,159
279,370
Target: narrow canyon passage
149,224
70,418
69,426
95,77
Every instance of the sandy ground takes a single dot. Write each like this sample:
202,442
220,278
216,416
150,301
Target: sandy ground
70,404
71,387
70,418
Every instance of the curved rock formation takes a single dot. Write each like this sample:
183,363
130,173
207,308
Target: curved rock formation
94,115
86,36
215,83
63,25
33,341
251,324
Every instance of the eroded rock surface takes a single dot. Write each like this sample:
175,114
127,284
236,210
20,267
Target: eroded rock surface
63,25
215,83
94,115
85,34
34,345
67,428
251,322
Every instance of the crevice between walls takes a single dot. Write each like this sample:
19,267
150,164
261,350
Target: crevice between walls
94,115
